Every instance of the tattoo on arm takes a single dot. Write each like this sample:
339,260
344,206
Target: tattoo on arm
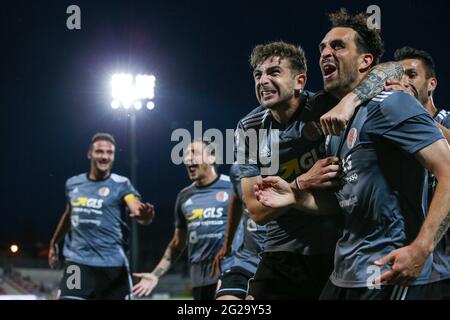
374,82
159,272
170,256
443,227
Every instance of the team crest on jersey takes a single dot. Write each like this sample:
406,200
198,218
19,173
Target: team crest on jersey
311,131
104,191
351,137
221,196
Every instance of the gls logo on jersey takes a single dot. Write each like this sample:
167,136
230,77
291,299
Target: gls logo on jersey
294,167
205,213
87,202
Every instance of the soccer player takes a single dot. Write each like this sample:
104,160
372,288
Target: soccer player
298,250
233,283
200,220
388,238
420,76
96,264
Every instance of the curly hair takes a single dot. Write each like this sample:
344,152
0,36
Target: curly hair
294,54
367,40
412,53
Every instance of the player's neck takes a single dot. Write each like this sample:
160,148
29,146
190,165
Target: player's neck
343,91
98,175
429,105
209,177
284,112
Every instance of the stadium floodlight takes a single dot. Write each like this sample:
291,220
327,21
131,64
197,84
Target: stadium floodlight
138,105
130,91
127,90
150,105
115,104
14,248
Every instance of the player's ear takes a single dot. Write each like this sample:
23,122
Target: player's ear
432,84
365,61
300,82
211,158
89,153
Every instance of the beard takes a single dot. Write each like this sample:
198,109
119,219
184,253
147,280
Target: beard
344,82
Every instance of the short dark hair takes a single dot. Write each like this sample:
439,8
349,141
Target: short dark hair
102,136
294,54
422,55
367,40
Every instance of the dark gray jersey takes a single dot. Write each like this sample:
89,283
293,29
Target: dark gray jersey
442,117
384,188
301,144
202,211
252,244
97,220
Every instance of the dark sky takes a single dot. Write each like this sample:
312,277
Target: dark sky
55,85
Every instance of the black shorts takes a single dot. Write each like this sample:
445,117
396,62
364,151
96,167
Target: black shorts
433,291
204,292
81,282
288,275
234,282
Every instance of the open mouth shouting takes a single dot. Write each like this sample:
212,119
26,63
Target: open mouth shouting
329,71
192,168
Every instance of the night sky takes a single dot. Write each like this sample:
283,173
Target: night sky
55,91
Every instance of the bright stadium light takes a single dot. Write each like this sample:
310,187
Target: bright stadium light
150,105
138,105
14,248
132,93
128,90
127,104
115,104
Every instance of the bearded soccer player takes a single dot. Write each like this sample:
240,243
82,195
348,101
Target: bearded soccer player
297,257
382,195
200,222
420,76
94,222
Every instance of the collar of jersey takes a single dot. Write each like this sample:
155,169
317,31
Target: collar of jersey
100,180
209,184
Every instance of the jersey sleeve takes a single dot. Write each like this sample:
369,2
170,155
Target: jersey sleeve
245,157
403,121
128,190
180,220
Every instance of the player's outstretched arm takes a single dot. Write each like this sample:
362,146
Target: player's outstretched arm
334,121
61,230
173,251
408,262
143,213
233,220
